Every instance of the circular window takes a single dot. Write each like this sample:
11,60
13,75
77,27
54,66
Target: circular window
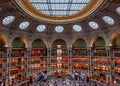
41,28
77,28
24,25
118,10
7,20
109,20
93,25
59,29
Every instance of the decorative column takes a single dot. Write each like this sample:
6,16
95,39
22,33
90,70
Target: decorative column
69,49
8,55
48,59
28,55
89,51
109,63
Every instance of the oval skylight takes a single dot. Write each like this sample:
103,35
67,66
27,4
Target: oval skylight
93,25
24,25
59,29
59,7
109,20
77,28
7,20
118,10
41,28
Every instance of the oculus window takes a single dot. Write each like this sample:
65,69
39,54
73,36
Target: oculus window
59,29
7,20
41,28
77,28
93,25
24,25
109,20
118,10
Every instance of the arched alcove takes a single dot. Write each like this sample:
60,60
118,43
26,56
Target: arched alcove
38,43
116,41
18,43
79,43
116,45
99,42
59,42
38,55
2,43
99,48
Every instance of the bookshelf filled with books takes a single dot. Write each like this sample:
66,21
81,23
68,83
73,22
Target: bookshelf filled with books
59,58
38,58
80,58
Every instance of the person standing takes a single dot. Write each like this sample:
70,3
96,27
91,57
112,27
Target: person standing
55,84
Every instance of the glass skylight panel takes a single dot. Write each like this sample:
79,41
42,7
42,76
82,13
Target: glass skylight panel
59,29
93,25
109,20
24,25
7,20
59,7
46,12
72,12
77,6
80,1
118,10
41,6
77,28
38,1
59,1
41,28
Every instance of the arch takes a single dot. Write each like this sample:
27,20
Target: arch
18,43
79,43
3,41
116,40
59,42
38,43
98,42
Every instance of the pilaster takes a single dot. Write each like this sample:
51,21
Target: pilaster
8,55
28,56
109,56
69,50
90,69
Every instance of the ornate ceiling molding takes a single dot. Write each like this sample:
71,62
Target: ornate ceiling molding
27,7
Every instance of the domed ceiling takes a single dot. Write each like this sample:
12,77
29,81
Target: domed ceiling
70,17
59,11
